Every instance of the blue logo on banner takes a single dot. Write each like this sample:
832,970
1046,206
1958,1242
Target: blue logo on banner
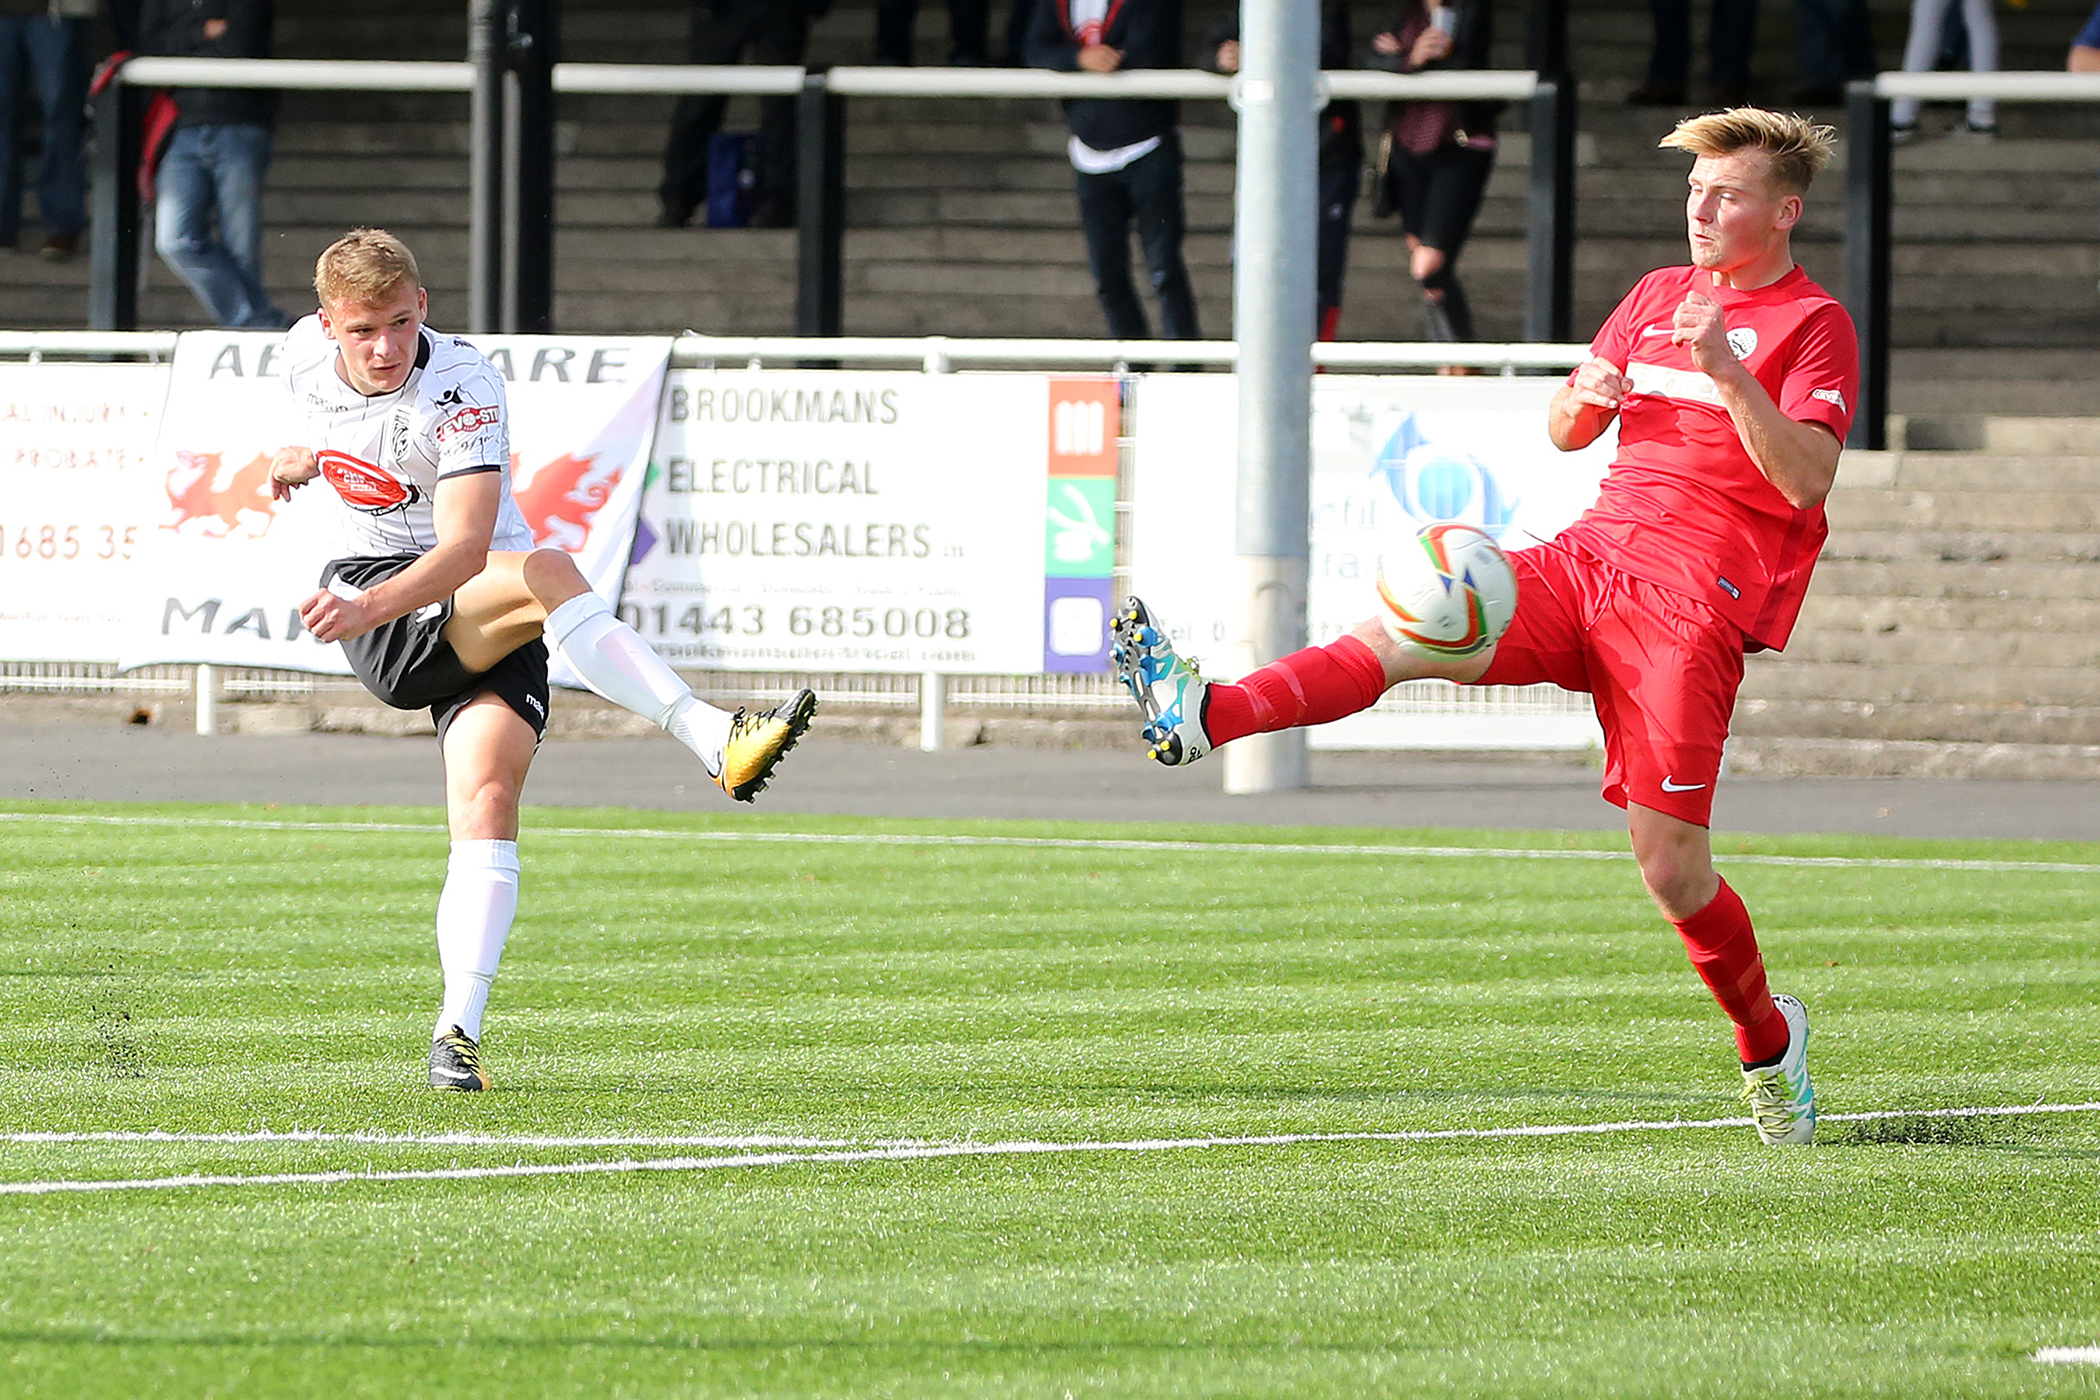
1441,481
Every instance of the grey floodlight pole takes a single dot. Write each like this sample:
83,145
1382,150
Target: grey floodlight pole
485,167
1275,222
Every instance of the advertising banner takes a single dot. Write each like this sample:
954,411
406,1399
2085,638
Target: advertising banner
224,570
81,498
878,521
1390,452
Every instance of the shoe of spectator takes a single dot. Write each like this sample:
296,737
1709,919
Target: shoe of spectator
1731,94
1977,131
59,247
1904,134
669,217
1657,95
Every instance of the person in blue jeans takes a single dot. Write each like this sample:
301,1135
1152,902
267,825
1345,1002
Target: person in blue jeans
208,224
45,41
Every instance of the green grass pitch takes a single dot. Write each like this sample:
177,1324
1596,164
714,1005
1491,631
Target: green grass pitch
804,1017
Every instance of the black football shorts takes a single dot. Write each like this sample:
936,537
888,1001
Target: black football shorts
408,664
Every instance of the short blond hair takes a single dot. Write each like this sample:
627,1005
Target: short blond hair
365,267
1796,150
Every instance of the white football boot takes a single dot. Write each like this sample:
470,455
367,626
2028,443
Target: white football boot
1169,690
1782,1101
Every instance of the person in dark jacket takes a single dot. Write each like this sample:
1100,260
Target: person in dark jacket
212,171
730,31
1341,151
1126,152
1435,157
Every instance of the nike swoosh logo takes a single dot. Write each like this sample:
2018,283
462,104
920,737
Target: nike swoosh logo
1656,330
454,1073
1672,785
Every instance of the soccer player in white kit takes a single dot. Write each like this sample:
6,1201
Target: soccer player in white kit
442,601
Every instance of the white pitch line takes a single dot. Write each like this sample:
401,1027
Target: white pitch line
2069,1356
324,1137
919,1152
377,1139
1079,843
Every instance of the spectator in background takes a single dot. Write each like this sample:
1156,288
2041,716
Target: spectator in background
1435,157
2085,49
968,22
1731,37
45,41
1341,151
1126,152
1921,54
1833,44
212,171
730,31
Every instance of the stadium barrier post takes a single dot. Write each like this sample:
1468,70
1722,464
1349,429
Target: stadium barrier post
113,224
207,699
1276,208
532,46
1550,245
485,203
1867,190
933,711
820,209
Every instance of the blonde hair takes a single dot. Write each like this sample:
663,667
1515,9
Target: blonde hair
365,267
1796,150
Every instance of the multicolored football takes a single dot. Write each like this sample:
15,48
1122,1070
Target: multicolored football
1446,590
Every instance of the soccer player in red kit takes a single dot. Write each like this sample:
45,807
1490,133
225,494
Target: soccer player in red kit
1733,381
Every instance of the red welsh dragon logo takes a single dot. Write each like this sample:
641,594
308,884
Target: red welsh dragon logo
558,505
196,493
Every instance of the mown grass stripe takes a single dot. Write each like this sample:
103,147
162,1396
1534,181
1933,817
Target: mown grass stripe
1079,843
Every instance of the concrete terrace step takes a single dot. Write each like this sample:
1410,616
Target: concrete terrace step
1890,758
1917,722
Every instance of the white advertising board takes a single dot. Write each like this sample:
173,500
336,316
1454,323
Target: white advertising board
854,521
1389,452
82,497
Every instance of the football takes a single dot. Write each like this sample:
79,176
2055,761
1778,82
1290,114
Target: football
1446,590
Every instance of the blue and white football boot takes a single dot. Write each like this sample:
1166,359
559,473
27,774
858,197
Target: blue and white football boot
1782,1101
1169,690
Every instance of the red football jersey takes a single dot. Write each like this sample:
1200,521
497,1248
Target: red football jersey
1683,505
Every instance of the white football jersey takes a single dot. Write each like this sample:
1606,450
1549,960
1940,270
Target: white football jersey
385,454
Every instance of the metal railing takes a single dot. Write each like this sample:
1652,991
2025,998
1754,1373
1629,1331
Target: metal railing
1869,189
511,225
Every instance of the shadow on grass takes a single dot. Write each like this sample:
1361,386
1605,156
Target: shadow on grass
2029,1133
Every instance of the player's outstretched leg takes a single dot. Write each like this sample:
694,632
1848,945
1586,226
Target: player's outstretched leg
1171,693
740,750
1782,1101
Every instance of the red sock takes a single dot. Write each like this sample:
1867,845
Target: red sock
1312,686
1724,952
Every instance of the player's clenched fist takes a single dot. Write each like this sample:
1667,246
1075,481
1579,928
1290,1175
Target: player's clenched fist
1700,325
330,617
290,469
1599,383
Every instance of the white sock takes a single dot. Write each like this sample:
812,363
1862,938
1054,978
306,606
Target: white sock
473,919
612,659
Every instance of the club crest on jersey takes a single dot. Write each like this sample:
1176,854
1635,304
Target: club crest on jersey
362,485
1741,341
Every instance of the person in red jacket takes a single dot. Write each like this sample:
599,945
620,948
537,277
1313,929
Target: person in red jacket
1733,382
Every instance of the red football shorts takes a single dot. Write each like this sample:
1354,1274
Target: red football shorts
1663,669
